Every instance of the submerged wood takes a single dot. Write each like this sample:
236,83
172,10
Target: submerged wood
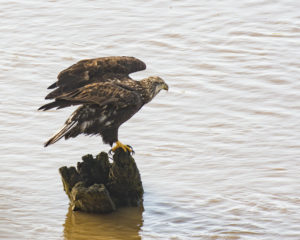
99,186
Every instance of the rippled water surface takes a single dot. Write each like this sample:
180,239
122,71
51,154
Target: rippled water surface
218,153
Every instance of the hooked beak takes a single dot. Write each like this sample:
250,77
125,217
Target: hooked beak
166,87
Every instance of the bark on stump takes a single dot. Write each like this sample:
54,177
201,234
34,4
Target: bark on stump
99,186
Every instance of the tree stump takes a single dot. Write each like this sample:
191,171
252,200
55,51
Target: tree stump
98,186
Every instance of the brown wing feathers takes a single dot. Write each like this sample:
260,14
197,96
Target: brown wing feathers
71,81
94,70
95,93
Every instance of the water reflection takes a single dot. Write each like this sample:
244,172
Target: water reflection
126,223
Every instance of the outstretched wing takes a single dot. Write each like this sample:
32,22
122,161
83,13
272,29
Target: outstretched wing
102,93
94,70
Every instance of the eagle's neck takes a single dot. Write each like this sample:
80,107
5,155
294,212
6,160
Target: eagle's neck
146,91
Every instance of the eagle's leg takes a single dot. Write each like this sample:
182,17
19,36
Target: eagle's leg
124,147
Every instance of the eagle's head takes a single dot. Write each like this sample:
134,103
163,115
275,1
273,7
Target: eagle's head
153,85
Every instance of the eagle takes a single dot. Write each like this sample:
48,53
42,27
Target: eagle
106,95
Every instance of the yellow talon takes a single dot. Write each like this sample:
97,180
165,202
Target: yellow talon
121,145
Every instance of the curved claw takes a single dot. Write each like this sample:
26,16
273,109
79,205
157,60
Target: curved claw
110,152
131,149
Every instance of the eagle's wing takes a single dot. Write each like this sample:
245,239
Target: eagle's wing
103,94
94,70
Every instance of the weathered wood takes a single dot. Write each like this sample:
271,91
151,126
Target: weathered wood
99,186
94,198
125,185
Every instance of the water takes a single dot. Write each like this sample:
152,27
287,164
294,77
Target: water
218,154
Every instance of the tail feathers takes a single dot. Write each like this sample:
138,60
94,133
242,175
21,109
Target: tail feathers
60,134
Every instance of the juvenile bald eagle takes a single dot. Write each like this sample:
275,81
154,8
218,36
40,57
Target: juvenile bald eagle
106,94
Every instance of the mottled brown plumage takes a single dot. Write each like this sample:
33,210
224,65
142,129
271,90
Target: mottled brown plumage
106,94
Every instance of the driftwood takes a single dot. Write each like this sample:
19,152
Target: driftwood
99,186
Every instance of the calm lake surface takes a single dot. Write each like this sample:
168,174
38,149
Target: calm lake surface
218,154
